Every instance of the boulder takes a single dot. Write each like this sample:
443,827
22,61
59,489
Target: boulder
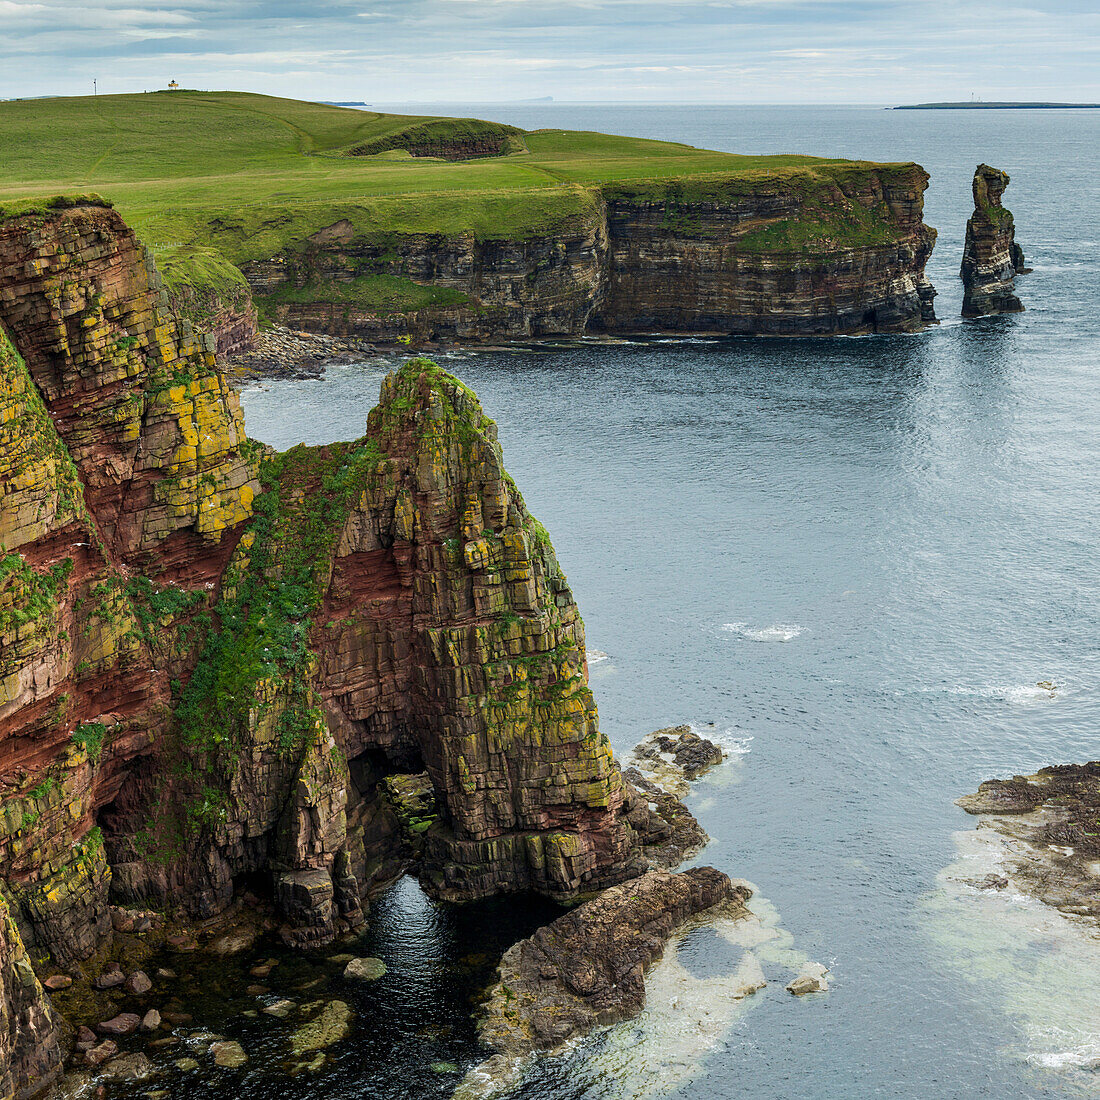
127,1067
57,981
810,979
99,1054
125,1023
151,1020
138,983
110,979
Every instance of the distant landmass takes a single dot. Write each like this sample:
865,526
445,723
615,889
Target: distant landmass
992,106
344,103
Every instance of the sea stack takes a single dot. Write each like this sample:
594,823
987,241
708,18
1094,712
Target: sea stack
991,257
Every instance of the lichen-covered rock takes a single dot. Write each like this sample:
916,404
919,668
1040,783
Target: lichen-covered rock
30,1030
991,257
213,656
588,967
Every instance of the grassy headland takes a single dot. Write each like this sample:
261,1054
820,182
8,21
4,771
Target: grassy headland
251,175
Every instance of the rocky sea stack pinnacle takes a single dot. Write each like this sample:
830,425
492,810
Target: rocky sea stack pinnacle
991,257
220,665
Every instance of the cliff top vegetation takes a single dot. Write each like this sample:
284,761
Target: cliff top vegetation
251,175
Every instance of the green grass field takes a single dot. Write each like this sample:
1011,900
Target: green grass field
250,174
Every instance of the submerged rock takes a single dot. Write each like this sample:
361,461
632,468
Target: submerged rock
588,967
228,1054
990,254
365,970
128,1067
329,1026
233,943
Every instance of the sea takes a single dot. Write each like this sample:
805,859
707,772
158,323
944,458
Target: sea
868,568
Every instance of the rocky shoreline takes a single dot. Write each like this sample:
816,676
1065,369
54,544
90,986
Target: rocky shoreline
1050,819
280,352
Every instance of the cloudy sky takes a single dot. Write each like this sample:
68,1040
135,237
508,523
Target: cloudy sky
715,51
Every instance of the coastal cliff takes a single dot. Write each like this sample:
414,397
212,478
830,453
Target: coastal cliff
215,656
991,257
834,250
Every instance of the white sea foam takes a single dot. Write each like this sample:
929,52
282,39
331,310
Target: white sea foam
731,740
1016,695
595,656
777,632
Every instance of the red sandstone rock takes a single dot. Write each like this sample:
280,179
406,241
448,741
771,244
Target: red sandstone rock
125,1023
138,983
110,979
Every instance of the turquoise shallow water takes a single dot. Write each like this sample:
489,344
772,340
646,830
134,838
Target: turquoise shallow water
858,558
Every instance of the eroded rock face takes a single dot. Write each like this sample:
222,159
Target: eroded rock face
587,968
841,253
218,663
30,1030
991,257
1050,821
213,656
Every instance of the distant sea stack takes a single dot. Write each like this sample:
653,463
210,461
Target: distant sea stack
991,257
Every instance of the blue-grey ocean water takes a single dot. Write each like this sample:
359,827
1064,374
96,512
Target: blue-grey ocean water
858,558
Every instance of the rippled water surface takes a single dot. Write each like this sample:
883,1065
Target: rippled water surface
858,558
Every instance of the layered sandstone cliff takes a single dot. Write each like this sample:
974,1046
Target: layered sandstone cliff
839,250
991,257
211,656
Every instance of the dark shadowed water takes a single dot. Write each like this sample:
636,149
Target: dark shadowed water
858,558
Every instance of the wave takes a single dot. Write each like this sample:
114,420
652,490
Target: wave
596,656
1085,1056
731,739
1018,695
777,632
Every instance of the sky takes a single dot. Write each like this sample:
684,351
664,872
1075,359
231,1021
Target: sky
708,51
